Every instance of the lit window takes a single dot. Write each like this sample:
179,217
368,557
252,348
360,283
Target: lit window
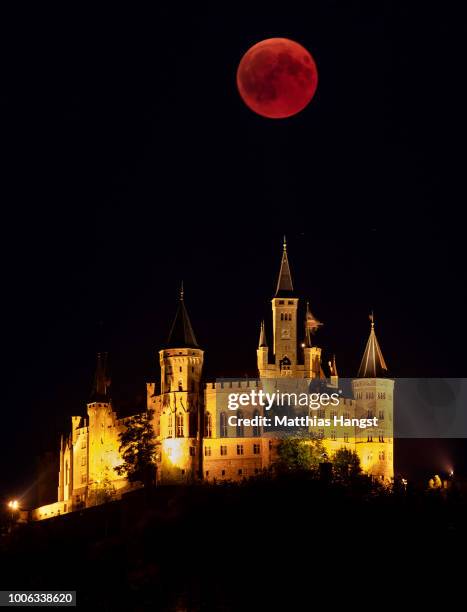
179,425
240,427
223,425
207,425
170,432
256,430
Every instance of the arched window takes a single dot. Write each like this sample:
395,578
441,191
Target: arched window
240,427
256,428
223,425
180,385
207,425
282,316
179,425
170,425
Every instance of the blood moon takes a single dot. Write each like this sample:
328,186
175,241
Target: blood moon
277,78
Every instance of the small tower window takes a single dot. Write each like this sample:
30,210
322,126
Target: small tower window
179,425
207,425
256,429
223,425
180,385
170,431
240,427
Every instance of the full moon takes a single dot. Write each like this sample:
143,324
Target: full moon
277,78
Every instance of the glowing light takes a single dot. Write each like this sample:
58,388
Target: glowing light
175,448
14,504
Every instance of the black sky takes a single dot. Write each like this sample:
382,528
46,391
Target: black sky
129,163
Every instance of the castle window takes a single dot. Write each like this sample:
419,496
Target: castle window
223,424
169,452
239,449
207,425
192,451
240,427
180,369
256,430
281,302
179,425
223,450
369,439
83,460
256,449
321,413
192,422
321,434
207,472
83,478
370,414
180,385
270,445
192,369
290,302
282,316
170,432
83,443
346,437
240,472
333,435
207,451
381,415
290,316
223,472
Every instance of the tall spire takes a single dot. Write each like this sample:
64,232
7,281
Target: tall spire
284,282
373,364
181,333
333,366
262,337
100,391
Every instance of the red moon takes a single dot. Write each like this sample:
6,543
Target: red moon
277,78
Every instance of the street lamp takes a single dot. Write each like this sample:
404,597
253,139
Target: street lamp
13,505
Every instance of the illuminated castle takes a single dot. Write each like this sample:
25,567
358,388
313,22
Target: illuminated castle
191,417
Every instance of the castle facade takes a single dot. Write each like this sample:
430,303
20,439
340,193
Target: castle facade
196,437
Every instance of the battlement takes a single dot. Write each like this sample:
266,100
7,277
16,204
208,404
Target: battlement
234,383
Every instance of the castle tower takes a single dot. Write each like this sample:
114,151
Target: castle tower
284,320
181,363
96,457
374,395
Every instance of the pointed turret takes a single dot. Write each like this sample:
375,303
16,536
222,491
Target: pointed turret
373,364
181,333
100,391
284,282
262,337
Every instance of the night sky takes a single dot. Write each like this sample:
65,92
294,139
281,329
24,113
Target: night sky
129,163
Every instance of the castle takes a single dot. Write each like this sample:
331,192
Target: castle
196,439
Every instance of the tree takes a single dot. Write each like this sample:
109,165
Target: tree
299,454
102,492
138,449
346,463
